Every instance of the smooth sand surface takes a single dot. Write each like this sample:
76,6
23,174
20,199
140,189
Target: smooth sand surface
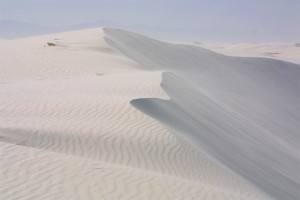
68,129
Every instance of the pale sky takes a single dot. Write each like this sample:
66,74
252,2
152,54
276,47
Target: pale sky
220,20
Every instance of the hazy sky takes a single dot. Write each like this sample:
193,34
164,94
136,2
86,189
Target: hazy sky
248,20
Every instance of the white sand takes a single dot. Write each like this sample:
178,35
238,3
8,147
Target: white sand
68,130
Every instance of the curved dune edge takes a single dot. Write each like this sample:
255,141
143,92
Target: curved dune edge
209,133
68,130
240,111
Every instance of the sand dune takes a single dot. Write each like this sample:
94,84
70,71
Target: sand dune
68,129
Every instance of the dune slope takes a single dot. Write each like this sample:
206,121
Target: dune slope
243,112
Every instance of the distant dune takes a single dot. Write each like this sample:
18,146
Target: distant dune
12,29
109,114
284,51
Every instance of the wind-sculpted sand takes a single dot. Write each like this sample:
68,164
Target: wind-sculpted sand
244,112
68,129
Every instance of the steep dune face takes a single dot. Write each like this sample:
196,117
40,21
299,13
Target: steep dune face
243,112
